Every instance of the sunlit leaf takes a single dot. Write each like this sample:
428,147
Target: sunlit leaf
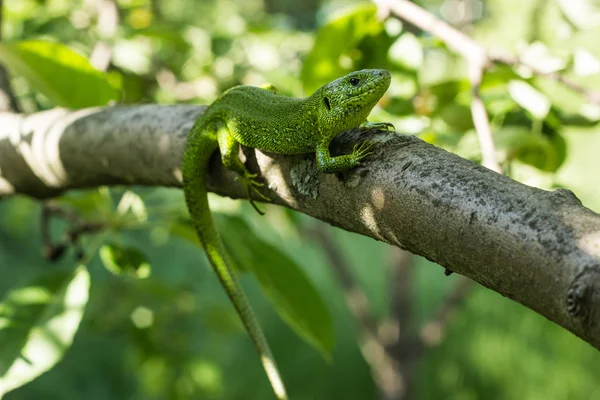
59,73
122,260
38,321
545,152
407,51
581,13
529,98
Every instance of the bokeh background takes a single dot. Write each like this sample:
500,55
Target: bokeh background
157,325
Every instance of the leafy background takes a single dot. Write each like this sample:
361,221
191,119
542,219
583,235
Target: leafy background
142,316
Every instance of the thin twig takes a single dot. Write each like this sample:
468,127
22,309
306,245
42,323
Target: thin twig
432,332
55,250
383,366
473,53
480,117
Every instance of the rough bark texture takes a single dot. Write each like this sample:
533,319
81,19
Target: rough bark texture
536,247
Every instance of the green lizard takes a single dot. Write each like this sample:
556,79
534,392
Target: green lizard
265,120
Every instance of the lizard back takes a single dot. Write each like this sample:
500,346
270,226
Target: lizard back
266,120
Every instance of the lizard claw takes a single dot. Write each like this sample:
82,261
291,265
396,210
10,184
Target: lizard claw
252,185
362,150
386,126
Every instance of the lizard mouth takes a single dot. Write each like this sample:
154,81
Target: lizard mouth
379,83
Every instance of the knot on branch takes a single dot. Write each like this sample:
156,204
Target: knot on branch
566,196
582,295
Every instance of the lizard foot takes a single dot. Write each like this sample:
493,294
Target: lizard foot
251,184
386,126
362,150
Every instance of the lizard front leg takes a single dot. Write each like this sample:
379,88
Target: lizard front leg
230,148
331,165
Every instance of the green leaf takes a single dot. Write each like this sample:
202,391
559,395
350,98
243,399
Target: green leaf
290,291
407,51
546,152
122,260
59,73
184,229
335,49
38,322
90,204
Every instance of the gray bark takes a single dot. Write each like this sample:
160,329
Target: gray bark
539,248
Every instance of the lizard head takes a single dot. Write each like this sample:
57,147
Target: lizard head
346,102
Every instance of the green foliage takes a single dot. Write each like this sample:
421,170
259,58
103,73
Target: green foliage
122,260
173,335
292,294
283,281
336,51
65,77
38,321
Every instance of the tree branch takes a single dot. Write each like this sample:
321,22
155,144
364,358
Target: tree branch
536,247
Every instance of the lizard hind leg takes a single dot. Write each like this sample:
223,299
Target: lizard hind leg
230,157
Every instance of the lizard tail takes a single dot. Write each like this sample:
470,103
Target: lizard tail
194,167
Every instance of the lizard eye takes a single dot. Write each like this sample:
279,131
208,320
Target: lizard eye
327,104
354,81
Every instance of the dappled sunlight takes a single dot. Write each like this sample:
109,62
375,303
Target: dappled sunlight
31,295
590,243
178,175
142,317
40,148
5,186
208,376
41,151
164,143
378,198
367,215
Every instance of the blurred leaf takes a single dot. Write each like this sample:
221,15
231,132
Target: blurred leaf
529,98
457,116
290,291
575,119
283,281
545,152
400,106
121,260
446,92
38,322
165,33
331,55
59,73
407,51
184,229
94,203
581,13
498,75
